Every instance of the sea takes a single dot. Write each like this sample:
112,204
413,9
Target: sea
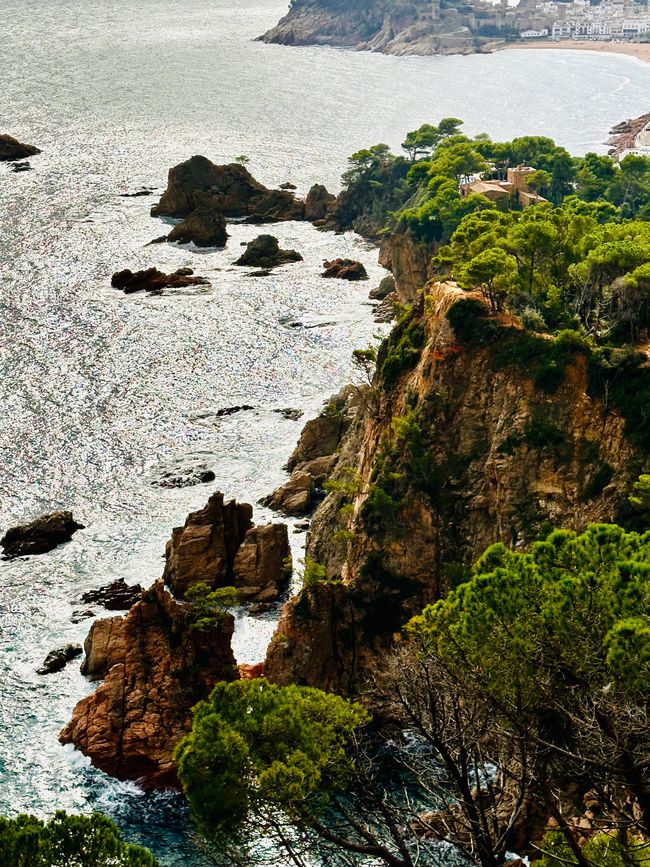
102,393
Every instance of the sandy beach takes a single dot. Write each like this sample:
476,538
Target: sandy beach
640,50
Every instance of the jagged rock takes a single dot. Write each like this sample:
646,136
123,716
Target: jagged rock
290,413
385,288
229,190
153,280
58,659
263,563
321,436
410,263
294,497
231,410
116,596
319,203
345,269
78,615
265,252
204,549
39,536
204,227
156,668
11,149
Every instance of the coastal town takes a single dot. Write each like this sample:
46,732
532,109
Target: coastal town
615,20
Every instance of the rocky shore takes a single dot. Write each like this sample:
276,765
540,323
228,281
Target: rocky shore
167,653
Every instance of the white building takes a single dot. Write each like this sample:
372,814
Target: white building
534,34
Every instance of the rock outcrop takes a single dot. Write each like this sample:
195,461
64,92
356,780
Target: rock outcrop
153,280
265,252
263,563
116,596
385,288
204,227
58,659
219,546
229,190
480,454
156,666
409,262
319,203
345,269
40,535
203,550
11,149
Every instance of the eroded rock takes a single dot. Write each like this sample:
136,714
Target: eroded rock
229,190
11,149
204,227
157,666
153,280
58,659
263,563
345,269
40,535
319,203
265,252
116,596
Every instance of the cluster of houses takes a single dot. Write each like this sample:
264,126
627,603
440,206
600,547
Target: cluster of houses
609,20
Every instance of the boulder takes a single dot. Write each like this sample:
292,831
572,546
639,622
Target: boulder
58,659
39,536
345,269
229,190
265,252
294,497
11,149
117,596
153,280
385,288
288,186
185,477
263,563
204,227
319,203
156,666
203,550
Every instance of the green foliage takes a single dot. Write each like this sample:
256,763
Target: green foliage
256,747
68,841
209,607
402,349
604,850
314,573
575,610
641,495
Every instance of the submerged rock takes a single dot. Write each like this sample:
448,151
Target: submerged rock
58,659
229,190
204,227
11,149
345,269
116,596
153,280
21,167
156,666
265,252
40,535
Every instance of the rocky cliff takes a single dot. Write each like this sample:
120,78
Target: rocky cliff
460,445
387,26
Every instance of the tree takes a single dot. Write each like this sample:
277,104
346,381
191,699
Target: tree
287,762
558,640
629,189
494,272
68,841
423,141
210,606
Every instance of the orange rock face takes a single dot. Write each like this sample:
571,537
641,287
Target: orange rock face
156,667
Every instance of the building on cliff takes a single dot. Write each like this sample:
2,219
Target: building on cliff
513,189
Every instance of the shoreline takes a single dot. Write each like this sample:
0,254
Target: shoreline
640,50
